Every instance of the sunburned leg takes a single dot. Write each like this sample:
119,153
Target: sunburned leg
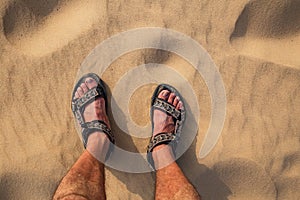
85,180
170,180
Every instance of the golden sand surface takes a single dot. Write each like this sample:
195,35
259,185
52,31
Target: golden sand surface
255,45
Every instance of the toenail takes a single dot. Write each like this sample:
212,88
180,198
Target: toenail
89,80
181,105
166,92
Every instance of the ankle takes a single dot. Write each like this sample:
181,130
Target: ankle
162,155
98,145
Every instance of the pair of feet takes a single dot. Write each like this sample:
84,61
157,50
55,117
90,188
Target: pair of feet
96,110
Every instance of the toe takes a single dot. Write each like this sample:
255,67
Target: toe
171,98
179,105
164,94
76,96
90,83
80,91
175,102
84,87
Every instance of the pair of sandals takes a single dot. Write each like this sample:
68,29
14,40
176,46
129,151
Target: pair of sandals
87,128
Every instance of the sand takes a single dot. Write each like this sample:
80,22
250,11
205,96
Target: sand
255,45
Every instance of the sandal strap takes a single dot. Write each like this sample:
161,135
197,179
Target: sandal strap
161,138
90,95
93,126
79,104
166,107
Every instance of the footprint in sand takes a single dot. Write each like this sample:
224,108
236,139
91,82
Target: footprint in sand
269,30
246,179
41,27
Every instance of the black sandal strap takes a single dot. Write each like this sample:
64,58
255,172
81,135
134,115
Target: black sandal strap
161,138
79,104
89,96
93,126
167,107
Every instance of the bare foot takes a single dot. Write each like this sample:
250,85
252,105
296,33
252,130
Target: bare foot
98,143
163,122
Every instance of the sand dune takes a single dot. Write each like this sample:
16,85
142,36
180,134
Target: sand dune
269,30
255,45
39,29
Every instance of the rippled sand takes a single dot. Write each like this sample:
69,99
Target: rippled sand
255,44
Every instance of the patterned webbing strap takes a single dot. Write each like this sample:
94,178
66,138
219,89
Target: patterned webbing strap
88,96
79,104
93,126
166,107
161,138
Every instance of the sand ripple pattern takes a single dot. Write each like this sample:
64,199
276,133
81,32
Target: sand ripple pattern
255,44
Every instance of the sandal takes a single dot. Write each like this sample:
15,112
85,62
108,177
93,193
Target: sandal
79,104
171,138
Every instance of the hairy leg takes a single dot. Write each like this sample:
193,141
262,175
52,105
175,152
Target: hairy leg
171,183
85,180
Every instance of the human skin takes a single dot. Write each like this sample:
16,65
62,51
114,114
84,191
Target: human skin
85,179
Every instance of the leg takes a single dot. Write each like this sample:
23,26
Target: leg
170,181
85,180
